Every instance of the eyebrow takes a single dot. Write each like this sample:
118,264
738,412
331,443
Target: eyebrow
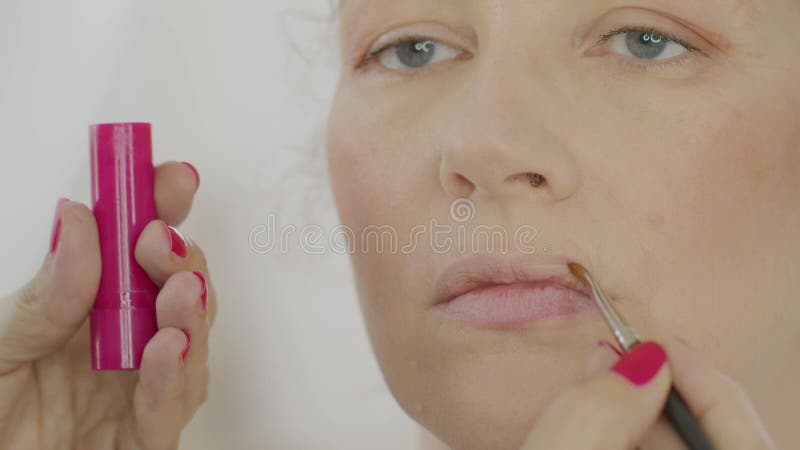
748,10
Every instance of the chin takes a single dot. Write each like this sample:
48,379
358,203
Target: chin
484,400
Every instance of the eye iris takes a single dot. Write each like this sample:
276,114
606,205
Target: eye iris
645,45
416,53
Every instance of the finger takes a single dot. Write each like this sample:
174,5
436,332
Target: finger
613,410
41,316
175,186
180,304
158,415
719,403
163,251
662,436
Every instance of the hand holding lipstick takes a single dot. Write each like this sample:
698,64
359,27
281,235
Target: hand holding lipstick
620,405
49,396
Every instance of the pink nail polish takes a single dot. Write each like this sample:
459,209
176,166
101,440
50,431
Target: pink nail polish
642,363
204,293
196,173
188,346
177,243
55,232
123,318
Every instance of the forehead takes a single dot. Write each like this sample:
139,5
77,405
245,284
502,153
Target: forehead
750,6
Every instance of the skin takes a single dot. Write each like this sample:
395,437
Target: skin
676,180
49,396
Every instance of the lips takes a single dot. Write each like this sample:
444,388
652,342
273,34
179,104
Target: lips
494,291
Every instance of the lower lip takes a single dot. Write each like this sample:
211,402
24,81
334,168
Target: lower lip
515,305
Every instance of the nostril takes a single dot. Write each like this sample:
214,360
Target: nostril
536,179
532,178
457,184
461,180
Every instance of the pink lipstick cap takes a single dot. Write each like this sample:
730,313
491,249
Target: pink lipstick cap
123,318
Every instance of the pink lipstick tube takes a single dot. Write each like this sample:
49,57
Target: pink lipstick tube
123,318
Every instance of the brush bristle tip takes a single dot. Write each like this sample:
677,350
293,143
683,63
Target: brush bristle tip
577,269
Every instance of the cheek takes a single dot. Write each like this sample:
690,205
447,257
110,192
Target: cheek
383,180
379,169
718,212
729,193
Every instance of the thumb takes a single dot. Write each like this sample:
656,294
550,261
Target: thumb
44,314
612,410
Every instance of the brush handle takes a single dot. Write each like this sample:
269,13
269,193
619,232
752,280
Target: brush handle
684,422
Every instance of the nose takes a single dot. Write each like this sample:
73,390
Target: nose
504,139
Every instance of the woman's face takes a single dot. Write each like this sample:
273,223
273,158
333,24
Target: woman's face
667,134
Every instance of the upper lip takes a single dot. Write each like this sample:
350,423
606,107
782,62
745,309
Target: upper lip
475,272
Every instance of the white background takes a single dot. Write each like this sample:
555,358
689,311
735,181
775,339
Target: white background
241,89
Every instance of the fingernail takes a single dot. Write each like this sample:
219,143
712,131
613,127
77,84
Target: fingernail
188,346
177,243
55,232
204,294
605,343
196,173
642,363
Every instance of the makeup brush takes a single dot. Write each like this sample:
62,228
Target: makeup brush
676,410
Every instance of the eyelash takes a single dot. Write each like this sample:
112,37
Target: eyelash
641,29
372,56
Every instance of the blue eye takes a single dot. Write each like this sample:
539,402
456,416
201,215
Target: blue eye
412,53
645,44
